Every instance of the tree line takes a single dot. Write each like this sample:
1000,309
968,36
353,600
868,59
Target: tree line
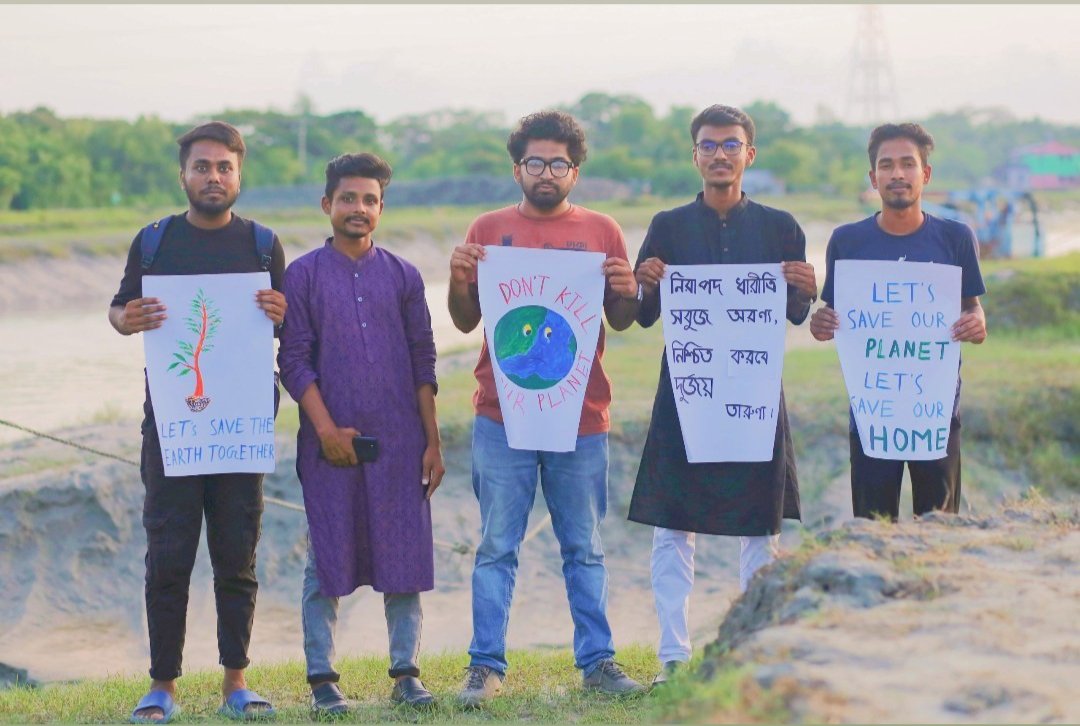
47,161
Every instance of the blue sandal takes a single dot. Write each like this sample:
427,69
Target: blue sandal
237,704
155,699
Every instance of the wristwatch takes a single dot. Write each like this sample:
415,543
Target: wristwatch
640,296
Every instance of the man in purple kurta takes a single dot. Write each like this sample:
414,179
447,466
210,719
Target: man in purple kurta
357,353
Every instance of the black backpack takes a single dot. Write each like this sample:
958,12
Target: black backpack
152,234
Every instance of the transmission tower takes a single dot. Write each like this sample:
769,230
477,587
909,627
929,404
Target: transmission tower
872,86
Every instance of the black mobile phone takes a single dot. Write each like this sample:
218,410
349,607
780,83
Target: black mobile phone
366,448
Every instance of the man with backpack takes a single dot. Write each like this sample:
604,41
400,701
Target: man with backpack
207,239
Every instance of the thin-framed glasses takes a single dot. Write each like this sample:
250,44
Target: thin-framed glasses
730,147
534,166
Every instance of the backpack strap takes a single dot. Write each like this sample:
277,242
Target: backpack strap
150,240
264,245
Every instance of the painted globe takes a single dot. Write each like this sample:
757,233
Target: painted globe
534,346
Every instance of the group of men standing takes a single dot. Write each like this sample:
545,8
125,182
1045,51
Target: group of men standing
358,354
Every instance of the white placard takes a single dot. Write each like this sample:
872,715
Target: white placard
211,373
896,350
724,331
542,314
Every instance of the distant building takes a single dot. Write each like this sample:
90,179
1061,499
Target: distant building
1041,166
762,182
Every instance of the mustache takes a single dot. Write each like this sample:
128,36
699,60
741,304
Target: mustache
358,218
898,185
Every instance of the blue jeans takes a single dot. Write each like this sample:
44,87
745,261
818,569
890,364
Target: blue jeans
319,615
575,489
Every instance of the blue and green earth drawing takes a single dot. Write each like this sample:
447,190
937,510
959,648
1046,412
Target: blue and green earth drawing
535,347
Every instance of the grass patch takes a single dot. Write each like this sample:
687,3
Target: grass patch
35,465
61,233
542,686
1016,544
1020,401
730,696
1034,298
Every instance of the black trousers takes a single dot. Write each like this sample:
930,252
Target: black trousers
876,483
172,514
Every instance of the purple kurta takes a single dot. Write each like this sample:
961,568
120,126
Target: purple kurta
361,331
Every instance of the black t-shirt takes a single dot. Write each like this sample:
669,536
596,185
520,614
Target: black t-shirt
188,250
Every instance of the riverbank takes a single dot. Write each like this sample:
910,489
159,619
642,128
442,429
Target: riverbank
948,619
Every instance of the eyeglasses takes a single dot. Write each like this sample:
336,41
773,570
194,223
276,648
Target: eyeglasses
534,166
731,147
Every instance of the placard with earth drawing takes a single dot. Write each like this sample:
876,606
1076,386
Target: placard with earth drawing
542,315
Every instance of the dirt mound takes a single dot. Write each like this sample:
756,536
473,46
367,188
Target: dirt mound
945,619
72,546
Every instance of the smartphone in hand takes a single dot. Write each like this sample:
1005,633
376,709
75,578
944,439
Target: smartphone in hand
366,448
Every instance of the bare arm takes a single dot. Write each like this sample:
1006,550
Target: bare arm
621,305
824,323
971,326
336,442
432,468
144,313
463,298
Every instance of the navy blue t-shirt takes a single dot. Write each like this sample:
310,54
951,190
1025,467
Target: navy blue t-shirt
943,241
937,240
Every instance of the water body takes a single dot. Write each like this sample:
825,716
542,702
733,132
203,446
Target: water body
64,369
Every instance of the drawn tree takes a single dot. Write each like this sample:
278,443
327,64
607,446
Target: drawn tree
203,322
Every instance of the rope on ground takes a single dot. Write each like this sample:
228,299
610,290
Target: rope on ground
457,548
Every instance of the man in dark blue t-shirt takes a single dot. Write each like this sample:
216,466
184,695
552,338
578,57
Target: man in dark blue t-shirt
899,169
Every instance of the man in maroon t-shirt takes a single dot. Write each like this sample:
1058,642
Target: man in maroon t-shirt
547,150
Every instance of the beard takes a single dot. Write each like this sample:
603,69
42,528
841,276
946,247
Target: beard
353,232
545,199
211,207
899,202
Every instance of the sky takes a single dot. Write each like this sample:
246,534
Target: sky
184,62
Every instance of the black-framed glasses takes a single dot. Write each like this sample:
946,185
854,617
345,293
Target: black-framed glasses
708,147
534,166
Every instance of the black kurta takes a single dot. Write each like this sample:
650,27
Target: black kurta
732,498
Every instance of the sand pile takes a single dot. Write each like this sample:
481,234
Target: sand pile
947,619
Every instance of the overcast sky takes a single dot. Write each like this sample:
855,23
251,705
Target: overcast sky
181,61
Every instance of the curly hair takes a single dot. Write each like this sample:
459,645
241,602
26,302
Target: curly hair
549,126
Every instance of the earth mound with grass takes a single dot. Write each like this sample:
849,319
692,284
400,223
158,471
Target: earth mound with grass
944,619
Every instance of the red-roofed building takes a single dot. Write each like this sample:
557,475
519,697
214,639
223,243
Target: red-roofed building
1050,165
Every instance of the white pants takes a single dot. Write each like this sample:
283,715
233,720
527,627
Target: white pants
673,579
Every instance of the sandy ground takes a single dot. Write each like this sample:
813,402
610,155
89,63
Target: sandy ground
963,619
71,548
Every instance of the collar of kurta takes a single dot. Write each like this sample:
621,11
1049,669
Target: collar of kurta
340,258
733,213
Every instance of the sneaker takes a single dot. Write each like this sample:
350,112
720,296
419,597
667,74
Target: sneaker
608,677
670,669
481,684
